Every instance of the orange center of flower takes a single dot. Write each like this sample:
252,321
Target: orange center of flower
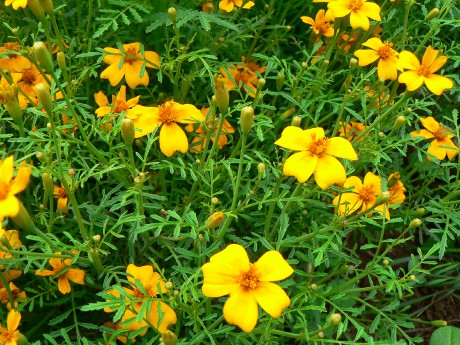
243,77
166,113
8,337
385,50
355,5
367,193
439,135
4,190
318,147
119,106
28,77
249,278
61,193
130,51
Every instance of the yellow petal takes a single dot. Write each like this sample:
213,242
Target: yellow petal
430,123
169,316
359,20
387,68
172,139
142,273
371,10
412,80
373,43
339,8
76,275
121,96
187,113
308,20
438,63
12,321
112,58
349,203
271,298
423,133
234,258
226,5
436,150
241,309
21,180
7,170
152,59
408,60
376,181
293,138
249,4
273,267
113,74
452,151
342,148
218,280
429,56
301,165
9,206
132,74
145,119
63,285
101,99
438,83
44,273
366,56
329,171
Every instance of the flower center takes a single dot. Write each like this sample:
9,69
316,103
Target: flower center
28,77
130,51
385,50
166,113
4,190
249,278
61,193
367,193
119,106
355,5
318,147
243,77
439,135
424,70
8,337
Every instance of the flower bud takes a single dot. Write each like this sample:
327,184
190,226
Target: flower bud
287,113
172,13
9,96
40,155
97,238
139,143
313,286
280,81
43,56
23,220
412,277
432,14
169,285
47,6
385,262
399,122
420,211
214,201
335,319
44,96
393,179
321,334
61,61
261,83
221,93
296,121
168,338
288,28
48,183
439,323
353,63
261,168
304,65
247,119
36,9
382,198
215,220
127,131
415,223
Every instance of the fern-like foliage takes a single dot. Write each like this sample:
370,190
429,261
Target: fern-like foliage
185,16
125,11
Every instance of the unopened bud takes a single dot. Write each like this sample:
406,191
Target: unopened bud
335,319
321,334
247,119
61,61
288,28
44,96
326,62
393,179
139,143
47,6
412,277
168,338
127,131
97,238
169,285
313,286
382,198
261,168
261,83
296,121
415,223
439,323
353,63
43,56
381,134
432,14
36,9
48,183
420,211
221,92
304,65
172,13
214,201
288,113
71,172
215,220
399,122
385,262
40,155
280,81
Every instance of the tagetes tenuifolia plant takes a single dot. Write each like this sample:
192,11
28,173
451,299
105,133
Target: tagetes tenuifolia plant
317,155
383,52
230,272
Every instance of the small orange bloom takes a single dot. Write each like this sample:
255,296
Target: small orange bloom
61,195
229,5
239,75
118,105
323,23
15,62
18,296
351,130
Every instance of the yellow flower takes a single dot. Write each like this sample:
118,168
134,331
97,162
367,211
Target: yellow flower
418,74
351,130
131,61
396,191
60,268
10,334
211,124
18,296
240,74
12,237
442,144
172,137
152,284
228,5
317,155
15,62
230,273
61,194
359,11
9,187
119,103
30,77
362,196
388,58
16,3
323,23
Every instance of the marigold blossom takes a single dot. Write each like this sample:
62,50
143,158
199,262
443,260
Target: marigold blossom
417,74
131,61
18,296
60,269
118,105
229,272
359,11
16,4
152,284
396,191
9,187
166,116
322,24
251,66
15,62
229,5
351,130
388,58
60,194
317,155
240,75
10,334
441,145
361,197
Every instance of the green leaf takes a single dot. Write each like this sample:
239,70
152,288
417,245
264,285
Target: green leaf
448,335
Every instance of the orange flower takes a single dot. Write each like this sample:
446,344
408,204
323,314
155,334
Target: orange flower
61,195
64,273
396,190
229,5
252,67
15,62
10,335
119,103
30,77
383,52
351,130
359,11
18,296
131,61
238,76
323,23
